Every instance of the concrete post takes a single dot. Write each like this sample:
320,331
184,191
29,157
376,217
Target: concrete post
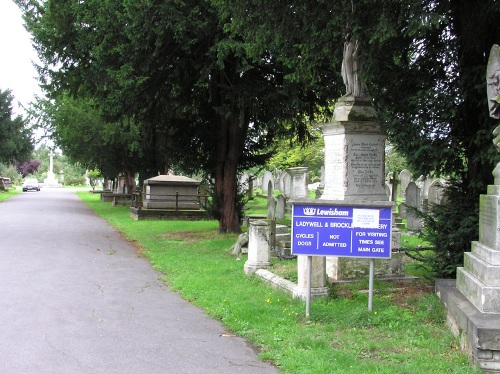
318,277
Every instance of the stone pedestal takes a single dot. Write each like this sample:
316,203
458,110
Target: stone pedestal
258,247
354,161
479,279
318,277
354,153
298,188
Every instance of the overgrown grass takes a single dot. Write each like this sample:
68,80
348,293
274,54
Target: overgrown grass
405,333
4,195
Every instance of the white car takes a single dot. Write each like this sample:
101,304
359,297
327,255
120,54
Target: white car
31,185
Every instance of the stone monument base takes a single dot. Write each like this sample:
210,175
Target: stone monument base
168,214
51,183
479,332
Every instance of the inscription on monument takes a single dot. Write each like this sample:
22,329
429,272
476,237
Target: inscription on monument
335,162
366,163
489,228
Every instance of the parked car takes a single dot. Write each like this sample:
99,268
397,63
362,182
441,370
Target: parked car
31,185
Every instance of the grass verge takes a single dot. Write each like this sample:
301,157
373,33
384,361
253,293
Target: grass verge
4,195
405,333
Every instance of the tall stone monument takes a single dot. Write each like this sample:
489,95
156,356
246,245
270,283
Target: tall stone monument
479,279
51,180
354,148
473,301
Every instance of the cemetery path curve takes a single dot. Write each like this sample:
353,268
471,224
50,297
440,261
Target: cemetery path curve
76,298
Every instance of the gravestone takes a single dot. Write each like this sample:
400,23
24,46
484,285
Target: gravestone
298,188
413,200
271,208
258,247
287,184
280,207
405,178
268,177
354,152
435,193
270,190
387,189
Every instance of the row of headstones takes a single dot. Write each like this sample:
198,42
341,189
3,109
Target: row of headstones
427,185
271,181
419,194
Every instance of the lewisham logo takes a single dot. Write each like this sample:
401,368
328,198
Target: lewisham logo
308,211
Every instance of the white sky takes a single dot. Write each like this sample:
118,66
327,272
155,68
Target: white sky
16,69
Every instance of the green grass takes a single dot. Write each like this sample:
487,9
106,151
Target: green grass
405,333
4,195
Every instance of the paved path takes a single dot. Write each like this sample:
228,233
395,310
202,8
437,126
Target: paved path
76,298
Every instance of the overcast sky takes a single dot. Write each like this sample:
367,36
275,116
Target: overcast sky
16,69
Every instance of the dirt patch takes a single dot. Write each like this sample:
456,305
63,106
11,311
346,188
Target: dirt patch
191,236
404,292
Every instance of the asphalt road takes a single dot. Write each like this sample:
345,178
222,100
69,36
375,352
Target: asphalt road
77,298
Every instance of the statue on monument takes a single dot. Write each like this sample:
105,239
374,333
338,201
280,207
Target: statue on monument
493,89
351,64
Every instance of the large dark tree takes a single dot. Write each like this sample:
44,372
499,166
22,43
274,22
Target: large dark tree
180,74
15,137
424,62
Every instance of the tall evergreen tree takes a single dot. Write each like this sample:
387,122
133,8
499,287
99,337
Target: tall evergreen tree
424,62
175,69
15,137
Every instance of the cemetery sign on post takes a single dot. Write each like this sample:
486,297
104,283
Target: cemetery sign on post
342,230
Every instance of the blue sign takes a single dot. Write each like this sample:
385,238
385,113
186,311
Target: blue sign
343,231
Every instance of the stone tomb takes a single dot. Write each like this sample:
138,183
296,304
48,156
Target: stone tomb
171,192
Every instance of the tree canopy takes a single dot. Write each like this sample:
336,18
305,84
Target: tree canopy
210,85
176,71
424,63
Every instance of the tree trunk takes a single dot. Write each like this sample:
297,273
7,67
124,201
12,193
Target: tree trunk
231,136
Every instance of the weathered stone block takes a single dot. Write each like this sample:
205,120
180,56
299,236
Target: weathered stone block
485,298
489,220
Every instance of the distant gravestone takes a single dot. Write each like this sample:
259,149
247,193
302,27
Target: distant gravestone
413,200
402,211
299,182
425,189
244,181
435,193
271,208
279,180
405,178
270,190
268,177
280,207
287,184
387,191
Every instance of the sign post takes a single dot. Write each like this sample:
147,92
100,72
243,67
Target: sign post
343,229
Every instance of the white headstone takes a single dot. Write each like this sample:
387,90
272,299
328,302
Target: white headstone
287,184
271,208
413,199
405,178
268,177
435,193
280,207
299,182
